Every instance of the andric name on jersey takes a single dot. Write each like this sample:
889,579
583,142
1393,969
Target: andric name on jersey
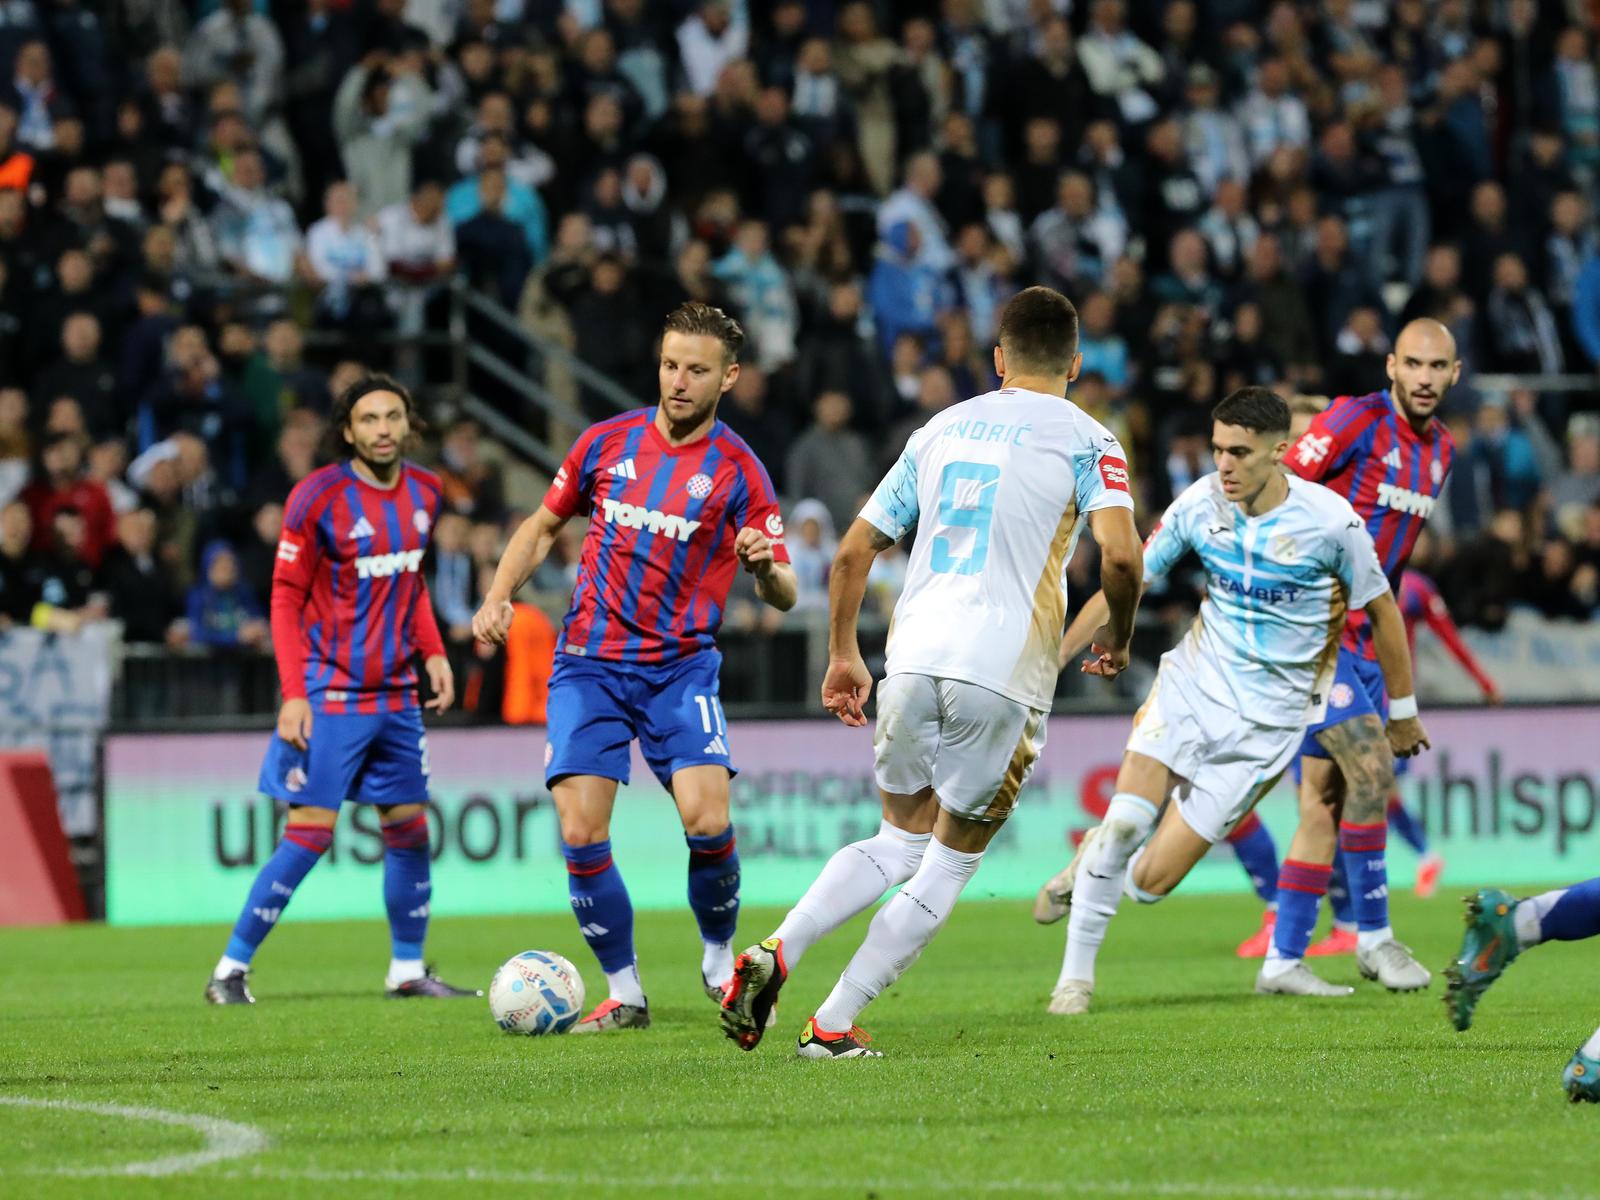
631,516
1405,500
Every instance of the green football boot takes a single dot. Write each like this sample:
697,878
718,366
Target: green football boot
1488,947
1582,1078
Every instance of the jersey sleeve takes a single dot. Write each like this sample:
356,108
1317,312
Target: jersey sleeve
893,508
292,573
569,492
1325,447
1357,564
1102,476
1168,541
760,509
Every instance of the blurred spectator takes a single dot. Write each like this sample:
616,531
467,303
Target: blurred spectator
472,485
134,582
108,461
19,567
33,95
221,612
1213,137
66,577
277,381
380,112
1121,69
1075,243
913,202
493,247
234,43
16,443
1229,230
1188,281
345,258
453,586
1550,586
811,549
863,61
193,398
1506,454
935,393
259,554
83,374
1586,308
749,412
62,484
1104,351
906,296
1361,351
1578,92
1577,486
760,289
830,462
516,202
295,457
1520,329
708,40
1273,116
256,233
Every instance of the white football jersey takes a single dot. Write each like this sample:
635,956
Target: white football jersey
997,488
1277,589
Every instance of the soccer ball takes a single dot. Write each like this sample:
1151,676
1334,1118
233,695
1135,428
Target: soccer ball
536,992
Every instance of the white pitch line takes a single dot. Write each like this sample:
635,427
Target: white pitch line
703,1182
224,1139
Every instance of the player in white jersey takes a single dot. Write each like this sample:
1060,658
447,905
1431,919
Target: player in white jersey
1284,561
997,488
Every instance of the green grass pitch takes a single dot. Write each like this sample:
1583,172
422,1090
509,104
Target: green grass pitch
1181,1083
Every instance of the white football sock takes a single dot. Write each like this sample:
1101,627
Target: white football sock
716,962
1528,917
1276,964
899,933
1100,880
1347,927
403,970
1591,1048
227,966
624,986
1366,939
850,883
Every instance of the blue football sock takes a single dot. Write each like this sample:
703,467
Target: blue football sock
1367,872
1257,855
1407,826
407,884
1344,912
600,902
299,851
1568,915
714,884
1301,887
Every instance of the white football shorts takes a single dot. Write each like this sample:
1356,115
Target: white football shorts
1226,762
974,747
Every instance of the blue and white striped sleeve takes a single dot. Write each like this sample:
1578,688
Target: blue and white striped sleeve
893,508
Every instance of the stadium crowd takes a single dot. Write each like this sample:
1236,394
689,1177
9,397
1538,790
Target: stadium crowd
1231,191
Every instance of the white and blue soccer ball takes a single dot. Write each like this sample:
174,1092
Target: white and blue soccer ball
536,992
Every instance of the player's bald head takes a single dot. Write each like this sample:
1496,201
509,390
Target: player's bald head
1426,338
1422,369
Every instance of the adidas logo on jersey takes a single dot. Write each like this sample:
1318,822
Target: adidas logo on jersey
381,566
622,470
1392,459
631,516
717,746
1405,500
362,528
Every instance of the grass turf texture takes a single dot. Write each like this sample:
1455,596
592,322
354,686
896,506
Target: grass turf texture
1180,1083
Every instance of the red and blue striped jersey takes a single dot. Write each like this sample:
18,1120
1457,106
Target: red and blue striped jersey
1363,449
658,558
349,603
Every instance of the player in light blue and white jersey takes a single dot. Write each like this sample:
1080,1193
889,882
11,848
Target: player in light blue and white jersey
998,488
1285,560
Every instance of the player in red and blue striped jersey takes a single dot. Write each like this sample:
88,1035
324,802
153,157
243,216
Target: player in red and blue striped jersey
1389,455
350,610
676,502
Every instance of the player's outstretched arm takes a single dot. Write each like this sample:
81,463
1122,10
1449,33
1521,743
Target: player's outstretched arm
1444,628
527,549
848,683
1406,735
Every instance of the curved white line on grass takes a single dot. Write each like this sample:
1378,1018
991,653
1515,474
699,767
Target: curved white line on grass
224,1139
